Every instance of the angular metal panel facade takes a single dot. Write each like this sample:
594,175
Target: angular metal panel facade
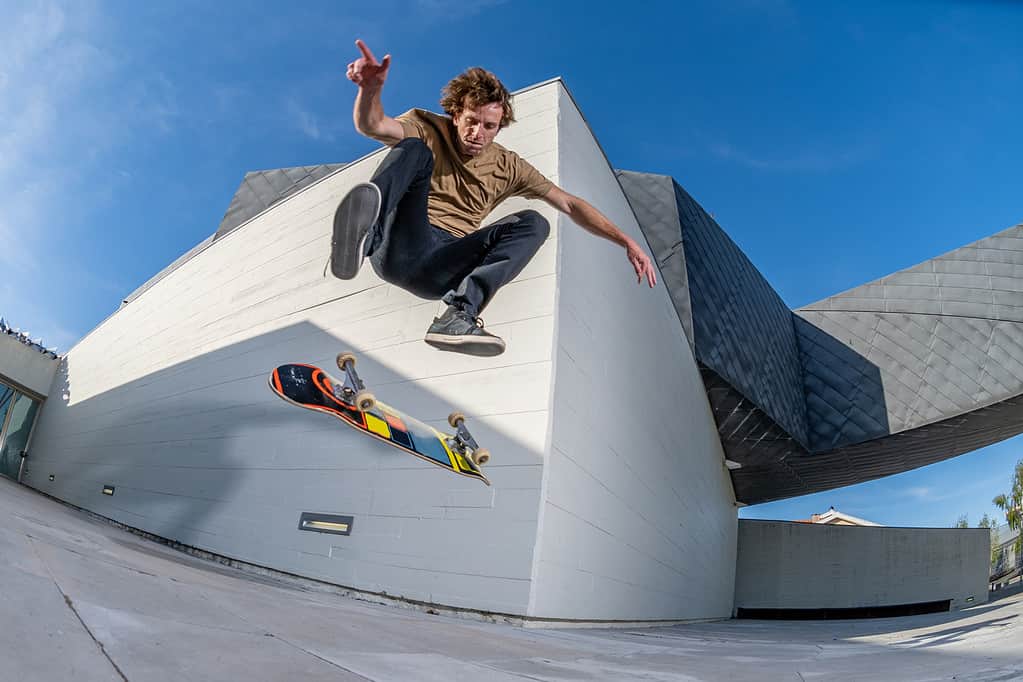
260,190
943,337
919,366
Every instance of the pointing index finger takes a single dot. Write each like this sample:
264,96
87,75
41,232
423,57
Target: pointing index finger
366,52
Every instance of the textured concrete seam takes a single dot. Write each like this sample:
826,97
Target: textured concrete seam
318,657
71,605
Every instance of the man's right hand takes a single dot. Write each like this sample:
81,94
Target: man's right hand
366,71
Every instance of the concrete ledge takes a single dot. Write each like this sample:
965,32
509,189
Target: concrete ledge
381,598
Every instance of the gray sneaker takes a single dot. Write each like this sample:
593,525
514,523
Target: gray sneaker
353,220
458,331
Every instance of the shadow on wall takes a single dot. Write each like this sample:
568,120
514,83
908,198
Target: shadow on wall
845,401
205,454
845,405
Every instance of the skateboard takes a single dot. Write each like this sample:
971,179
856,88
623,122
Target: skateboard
312,388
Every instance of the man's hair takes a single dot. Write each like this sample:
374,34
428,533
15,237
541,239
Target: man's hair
473,88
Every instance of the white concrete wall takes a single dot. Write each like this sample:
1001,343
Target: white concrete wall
638,519
26,366
785,565
167,400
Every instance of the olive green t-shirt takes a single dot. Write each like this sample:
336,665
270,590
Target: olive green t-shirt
462,193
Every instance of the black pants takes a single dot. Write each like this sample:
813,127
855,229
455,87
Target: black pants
409,252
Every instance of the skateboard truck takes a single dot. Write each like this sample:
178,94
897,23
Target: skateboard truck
464,442
354,390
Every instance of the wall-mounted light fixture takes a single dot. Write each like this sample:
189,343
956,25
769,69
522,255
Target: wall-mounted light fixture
108,490
732,465
326,523
51,477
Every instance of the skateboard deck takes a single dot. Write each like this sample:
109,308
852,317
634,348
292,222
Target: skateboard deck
312,388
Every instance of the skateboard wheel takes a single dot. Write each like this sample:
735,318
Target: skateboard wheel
364,400
481,457
342,358
454,418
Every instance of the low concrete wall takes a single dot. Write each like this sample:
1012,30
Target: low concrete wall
785,565
26,367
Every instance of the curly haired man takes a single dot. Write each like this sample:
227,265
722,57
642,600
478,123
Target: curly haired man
418,219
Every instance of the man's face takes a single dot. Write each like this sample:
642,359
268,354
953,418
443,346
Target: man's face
477,127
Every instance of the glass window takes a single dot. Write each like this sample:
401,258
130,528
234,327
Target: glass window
17,428
6,398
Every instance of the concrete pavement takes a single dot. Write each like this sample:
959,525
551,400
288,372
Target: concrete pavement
81,599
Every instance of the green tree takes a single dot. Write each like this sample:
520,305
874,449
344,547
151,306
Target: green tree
962,522
996,548
1012,504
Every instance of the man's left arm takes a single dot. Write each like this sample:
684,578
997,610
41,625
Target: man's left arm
589,218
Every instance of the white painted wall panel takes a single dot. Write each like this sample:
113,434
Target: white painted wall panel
27,366
637,519
167,400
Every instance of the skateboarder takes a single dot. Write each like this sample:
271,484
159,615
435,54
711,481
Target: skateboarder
418,219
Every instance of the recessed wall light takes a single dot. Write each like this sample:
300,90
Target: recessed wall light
325,523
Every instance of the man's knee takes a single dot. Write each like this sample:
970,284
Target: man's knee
389,271
535,222
410,151
415,148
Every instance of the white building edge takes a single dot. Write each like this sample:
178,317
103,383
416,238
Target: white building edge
611,499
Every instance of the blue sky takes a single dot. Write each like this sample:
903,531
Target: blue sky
836,142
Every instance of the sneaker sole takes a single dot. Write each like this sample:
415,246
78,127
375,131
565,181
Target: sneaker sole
469,345
353,219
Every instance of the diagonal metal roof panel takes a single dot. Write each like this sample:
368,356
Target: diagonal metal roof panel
916,367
